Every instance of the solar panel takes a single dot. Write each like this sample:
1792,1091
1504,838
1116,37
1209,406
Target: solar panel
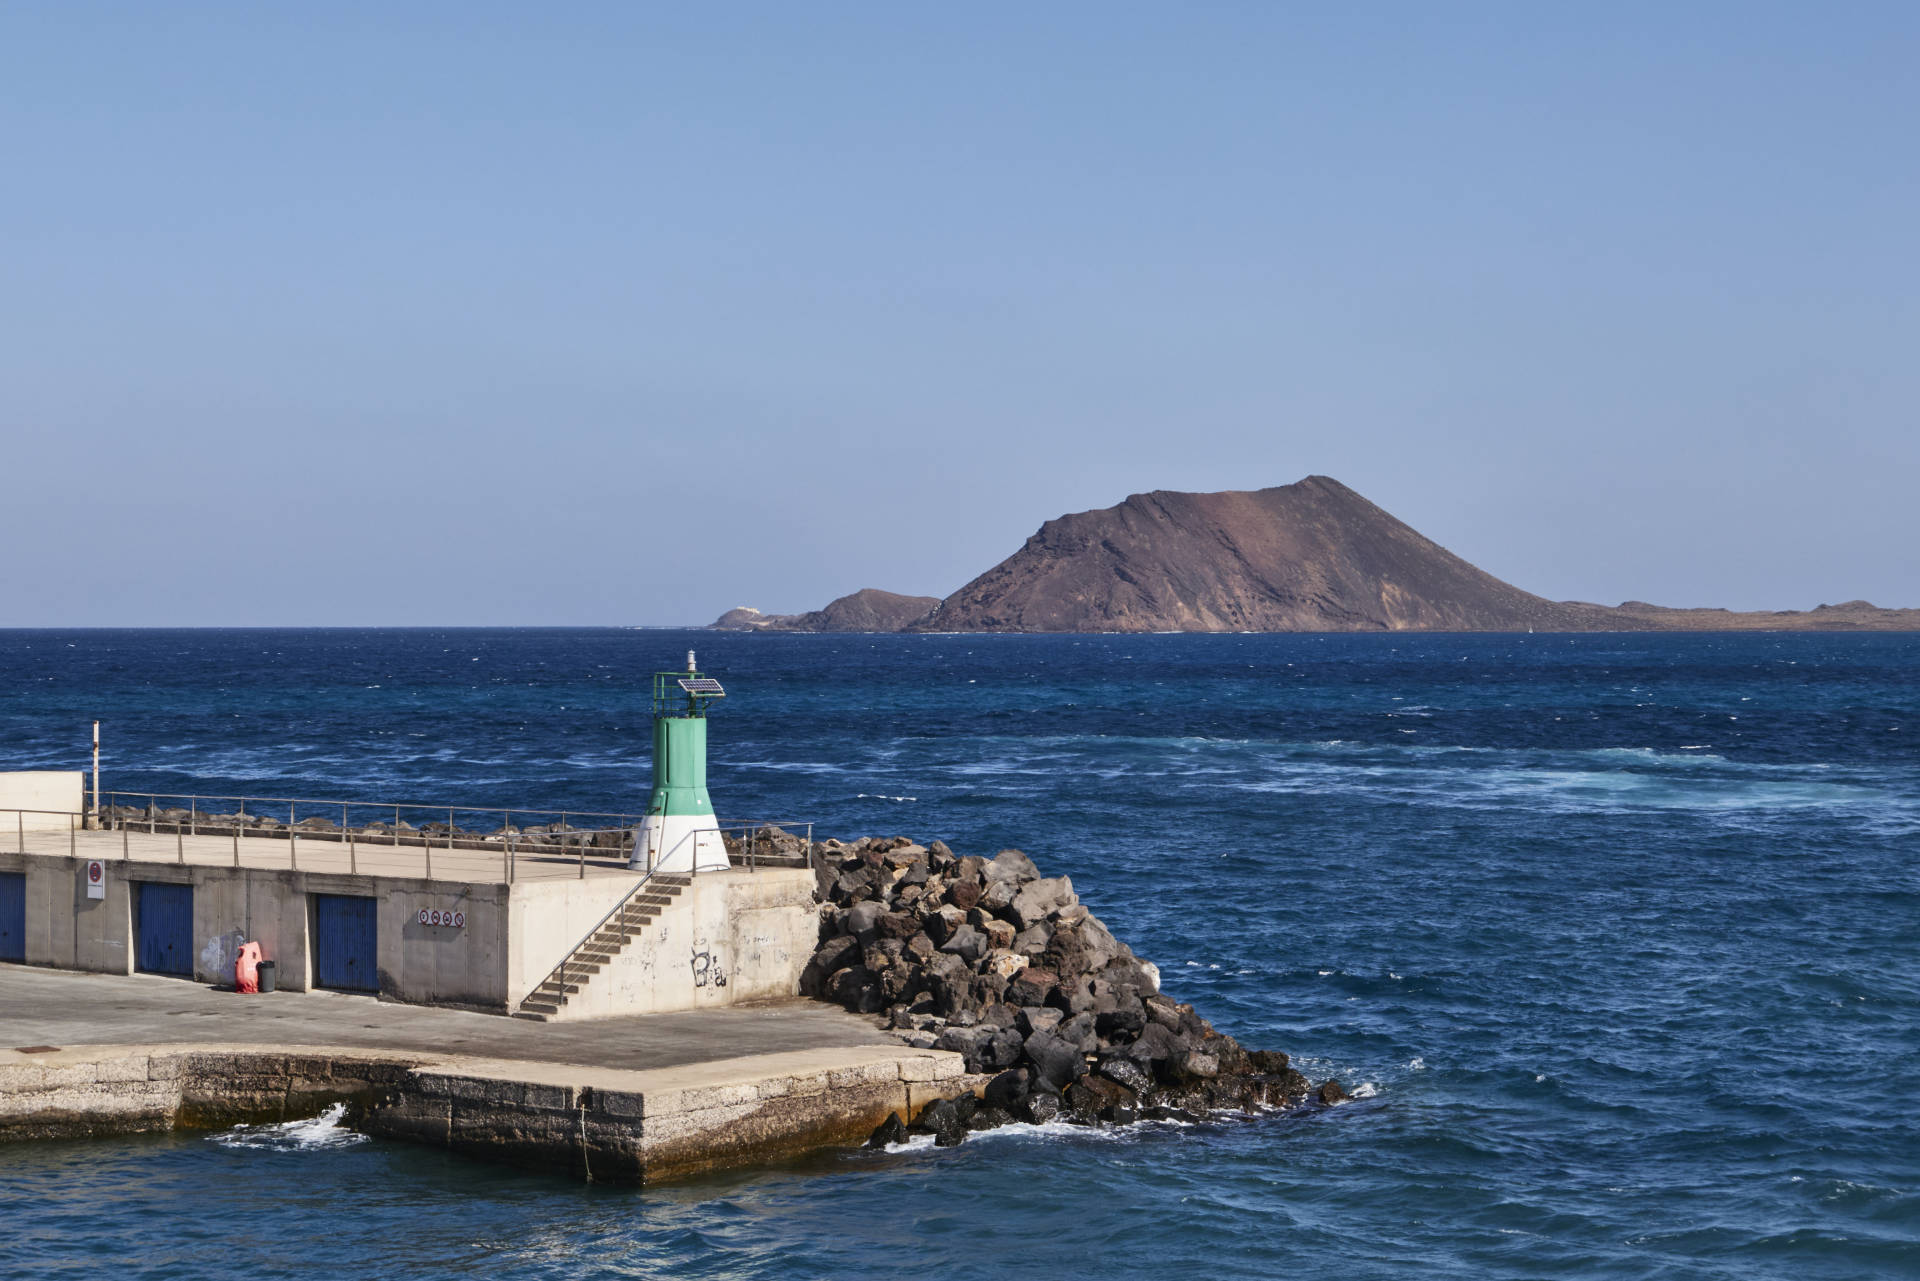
704,685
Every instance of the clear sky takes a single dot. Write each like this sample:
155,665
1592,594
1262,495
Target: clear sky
521,314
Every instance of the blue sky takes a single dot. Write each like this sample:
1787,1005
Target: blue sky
628,314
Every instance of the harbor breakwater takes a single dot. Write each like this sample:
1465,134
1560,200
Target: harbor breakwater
1006,967
1009,1001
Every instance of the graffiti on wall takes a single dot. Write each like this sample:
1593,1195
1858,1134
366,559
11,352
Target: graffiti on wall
708,969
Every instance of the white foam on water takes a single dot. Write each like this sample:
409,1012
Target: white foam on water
1365,1090
1048,1131
913,1143
1416,1064
875,796
311,1135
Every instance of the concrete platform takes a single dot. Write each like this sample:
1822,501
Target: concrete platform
65,1008
634,1100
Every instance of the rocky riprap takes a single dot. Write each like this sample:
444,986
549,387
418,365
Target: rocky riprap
990,959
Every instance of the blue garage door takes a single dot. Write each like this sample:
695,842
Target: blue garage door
13,916
163,928
344,943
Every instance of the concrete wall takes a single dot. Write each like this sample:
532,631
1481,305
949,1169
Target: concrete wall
601,1123
62,791
729,937
426,964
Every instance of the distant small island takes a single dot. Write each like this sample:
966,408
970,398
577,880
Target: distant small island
1313,556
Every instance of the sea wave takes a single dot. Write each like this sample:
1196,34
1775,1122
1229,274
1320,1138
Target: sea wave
313,1134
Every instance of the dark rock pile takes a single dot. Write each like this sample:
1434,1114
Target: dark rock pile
988,958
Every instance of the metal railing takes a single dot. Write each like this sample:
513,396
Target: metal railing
606,840
540,834
65,831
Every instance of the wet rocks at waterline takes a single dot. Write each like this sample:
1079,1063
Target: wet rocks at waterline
1006,967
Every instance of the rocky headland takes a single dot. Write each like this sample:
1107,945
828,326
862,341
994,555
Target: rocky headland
1313,556
867,610
989,958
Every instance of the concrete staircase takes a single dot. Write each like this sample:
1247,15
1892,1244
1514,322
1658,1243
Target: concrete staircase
598,949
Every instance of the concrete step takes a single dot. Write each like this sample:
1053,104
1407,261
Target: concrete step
606,943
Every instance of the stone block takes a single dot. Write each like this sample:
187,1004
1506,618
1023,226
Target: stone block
624,1104
416,1117
881,1070
931,1067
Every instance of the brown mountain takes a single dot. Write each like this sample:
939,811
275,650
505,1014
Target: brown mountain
1308,557
867,610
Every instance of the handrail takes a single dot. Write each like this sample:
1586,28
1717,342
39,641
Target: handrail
569,840
75,820
561,969
371,805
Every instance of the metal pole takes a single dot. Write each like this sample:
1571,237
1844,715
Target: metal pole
293,838
353,854
426,843
449,829
124,856
506,846
236,836
72,827
96,770
193,815
20,829
179,845
396,825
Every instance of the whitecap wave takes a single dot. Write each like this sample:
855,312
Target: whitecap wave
313,1134
1049,1131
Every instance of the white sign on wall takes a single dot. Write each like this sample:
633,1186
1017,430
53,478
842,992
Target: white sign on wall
457,920
96,878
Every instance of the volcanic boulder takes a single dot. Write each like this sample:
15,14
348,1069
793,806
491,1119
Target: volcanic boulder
1066,1019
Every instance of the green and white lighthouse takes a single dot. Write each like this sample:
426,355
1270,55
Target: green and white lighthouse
679,832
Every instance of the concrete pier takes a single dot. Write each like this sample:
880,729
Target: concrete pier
636,1099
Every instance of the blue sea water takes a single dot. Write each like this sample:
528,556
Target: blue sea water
1617,935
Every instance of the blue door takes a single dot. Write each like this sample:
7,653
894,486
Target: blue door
344,943
13,916
163,928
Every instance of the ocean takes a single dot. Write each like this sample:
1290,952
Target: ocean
1616,936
